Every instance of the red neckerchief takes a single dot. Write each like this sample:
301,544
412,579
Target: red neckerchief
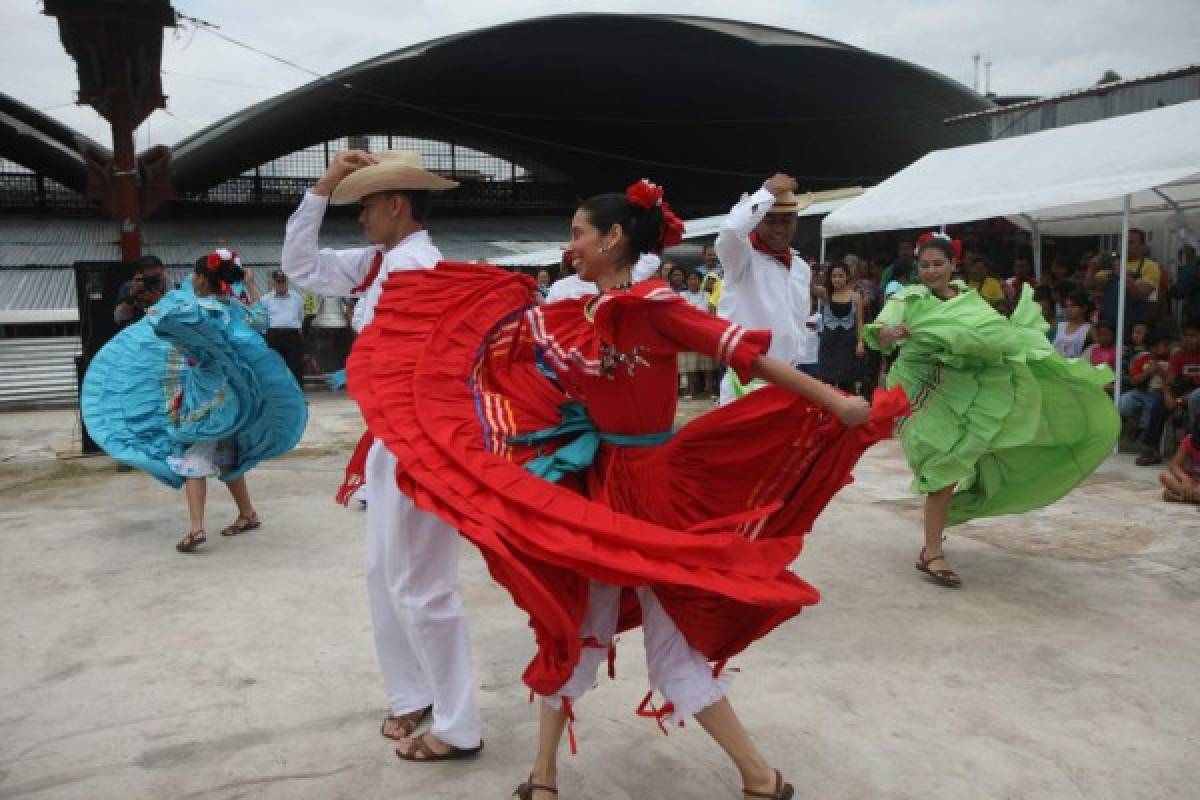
376,263
783,257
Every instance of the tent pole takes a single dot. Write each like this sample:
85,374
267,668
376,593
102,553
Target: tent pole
824,241
1122,288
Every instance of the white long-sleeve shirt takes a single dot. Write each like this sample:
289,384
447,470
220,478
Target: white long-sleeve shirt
759,291
338,273
574,286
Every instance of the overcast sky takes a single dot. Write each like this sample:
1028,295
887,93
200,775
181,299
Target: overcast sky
1036,46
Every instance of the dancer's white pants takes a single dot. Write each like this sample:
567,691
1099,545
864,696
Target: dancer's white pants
726,395
420,628
674,669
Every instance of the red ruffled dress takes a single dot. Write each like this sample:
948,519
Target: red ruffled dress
460,359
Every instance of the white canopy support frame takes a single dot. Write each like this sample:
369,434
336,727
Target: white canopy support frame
1123,287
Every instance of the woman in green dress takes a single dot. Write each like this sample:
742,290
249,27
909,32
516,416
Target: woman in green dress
1000,423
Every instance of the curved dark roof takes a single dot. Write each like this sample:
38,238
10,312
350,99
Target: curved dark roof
43,144
700,104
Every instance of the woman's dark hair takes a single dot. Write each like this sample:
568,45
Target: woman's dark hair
828,277
226,271
643,226
1104,325
944,246
1043,293
1064,289
1081,299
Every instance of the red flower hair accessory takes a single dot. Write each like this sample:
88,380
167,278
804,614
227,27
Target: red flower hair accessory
955,244
673,228
213,262
644,194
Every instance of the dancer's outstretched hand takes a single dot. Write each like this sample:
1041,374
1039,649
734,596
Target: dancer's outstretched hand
853,411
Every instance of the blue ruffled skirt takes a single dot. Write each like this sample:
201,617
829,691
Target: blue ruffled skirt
193,380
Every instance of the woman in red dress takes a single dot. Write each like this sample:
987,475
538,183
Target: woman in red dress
544,432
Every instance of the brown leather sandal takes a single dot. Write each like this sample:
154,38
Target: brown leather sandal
405,723
242,524
945,577
190,542
422,753
783,791
525,790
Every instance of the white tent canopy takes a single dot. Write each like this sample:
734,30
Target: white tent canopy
1064,181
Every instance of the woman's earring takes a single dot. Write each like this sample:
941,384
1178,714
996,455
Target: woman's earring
603,248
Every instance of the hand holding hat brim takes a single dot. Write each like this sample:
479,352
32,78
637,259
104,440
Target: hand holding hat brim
393,171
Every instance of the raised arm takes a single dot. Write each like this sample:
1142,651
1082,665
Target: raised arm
733,241
677,326
335,273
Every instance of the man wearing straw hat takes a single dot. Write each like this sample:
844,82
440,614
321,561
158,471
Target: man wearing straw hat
766,283
412,556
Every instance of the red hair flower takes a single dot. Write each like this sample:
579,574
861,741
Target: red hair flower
644,194
673,228
213,262
955,244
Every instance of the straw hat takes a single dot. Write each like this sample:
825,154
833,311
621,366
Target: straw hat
397,170
789,202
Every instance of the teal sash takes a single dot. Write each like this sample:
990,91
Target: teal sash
579,454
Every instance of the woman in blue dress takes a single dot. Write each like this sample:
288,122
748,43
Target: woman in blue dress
192,392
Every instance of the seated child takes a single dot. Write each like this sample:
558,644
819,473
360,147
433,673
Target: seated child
1103,349
1181,480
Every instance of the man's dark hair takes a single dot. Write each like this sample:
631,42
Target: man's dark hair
149,262
1141,234
1192,325
421,203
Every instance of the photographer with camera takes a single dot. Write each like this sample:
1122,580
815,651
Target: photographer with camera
144,289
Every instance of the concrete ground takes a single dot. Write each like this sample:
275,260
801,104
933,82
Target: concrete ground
1067,668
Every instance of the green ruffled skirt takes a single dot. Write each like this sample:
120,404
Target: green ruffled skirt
996,411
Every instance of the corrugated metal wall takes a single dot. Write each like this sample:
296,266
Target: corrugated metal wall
38,370
1091,107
